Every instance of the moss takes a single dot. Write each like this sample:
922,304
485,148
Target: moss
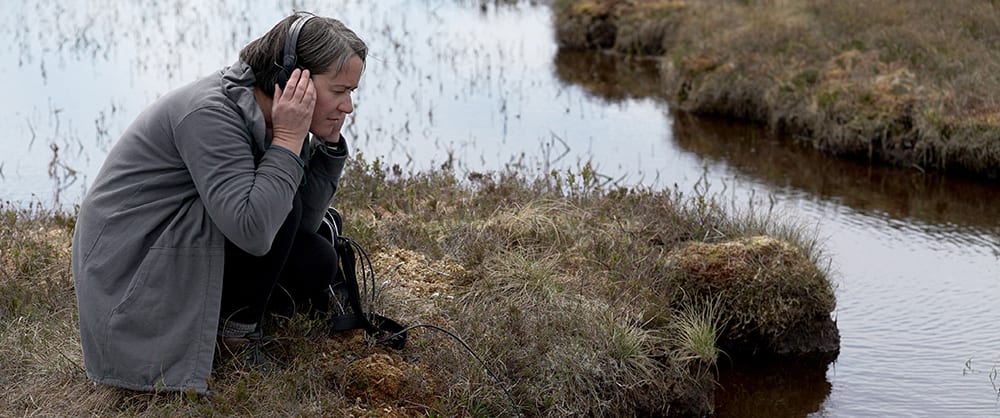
765,287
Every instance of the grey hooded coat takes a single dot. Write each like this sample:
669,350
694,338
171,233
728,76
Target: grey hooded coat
193,169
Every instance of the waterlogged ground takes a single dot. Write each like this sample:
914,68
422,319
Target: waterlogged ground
481,86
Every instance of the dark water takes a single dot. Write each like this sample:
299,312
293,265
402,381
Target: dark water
916,263
916,257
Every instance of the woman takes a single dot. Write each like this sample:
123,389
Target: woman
211,197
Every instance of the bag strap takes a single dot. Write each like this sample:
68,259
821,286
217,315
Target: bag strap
373,324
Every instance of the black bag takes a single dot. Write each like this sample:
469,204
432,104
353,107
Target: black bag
351,315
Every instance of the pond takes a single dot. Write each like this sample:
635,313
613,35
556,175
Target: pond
481,85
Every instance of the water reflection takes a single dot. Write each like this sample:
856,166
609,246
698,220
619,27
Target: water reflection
467,83
957,210
769,389
82,70
609,76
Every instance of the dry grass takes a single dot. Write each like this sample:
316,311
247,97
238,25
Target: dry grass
785,288
911,83
565,289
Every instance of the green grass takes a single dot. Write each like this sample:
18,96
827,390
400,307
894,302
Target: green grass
697,326
570,292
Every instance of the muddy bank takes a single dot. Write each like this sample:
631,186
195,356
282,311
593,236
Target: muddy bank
855,79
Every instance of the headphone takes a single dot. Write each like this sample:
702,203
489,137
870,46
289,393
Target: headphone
290,59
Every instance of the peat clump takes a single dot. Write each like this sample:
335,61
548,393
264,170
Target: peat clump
773,299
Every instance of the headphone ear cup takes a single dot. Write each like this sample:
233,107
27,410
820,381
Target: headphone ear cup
283,78
289,59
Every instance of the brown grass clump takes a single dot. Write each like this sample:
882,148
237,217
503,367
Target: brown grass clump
856,78
568,293
29,238
769,291
635,26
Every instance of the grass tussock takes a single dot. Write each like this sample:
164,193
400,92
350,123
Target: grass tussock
788,292
577,299
859,78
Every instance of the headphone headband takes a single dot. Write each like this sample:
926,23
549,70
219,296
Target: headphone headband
290,58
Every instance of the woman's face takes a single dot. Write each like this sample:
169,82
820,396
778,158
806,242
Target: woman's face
333,99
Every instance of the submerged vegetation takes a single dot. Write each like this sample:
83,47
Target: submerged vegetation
910,83
581,300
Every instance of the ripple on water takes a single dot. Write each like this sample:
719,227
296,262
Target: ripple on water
914,307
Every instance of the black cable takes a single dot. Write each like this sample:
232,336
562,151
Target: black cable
367,269
490,372
368,272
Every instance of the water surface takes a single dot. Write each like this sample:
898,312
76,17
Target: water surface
914,255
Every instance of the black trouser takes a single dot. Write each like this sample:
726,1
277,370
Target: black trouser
294,273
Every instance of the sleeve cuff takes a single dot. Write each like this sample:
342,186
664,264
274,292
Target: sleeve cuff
298,159
336,149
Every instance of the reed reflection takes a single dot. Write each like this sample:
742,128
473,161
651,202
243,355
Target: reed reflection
764,389
611,77
942,204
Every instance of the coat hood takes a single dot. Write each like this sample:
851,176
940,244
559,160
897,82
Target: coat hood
237,84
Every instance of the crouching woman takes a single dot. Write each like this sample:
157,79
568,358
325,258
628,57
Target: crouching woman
210,201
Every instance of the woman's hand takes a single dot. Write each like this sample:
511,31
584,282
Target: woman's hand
292,110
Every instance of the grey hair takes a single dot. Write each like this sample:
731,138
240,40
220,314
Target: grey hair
324,45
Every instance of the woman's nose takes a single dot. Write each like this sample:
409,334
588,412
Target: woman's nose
347,106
